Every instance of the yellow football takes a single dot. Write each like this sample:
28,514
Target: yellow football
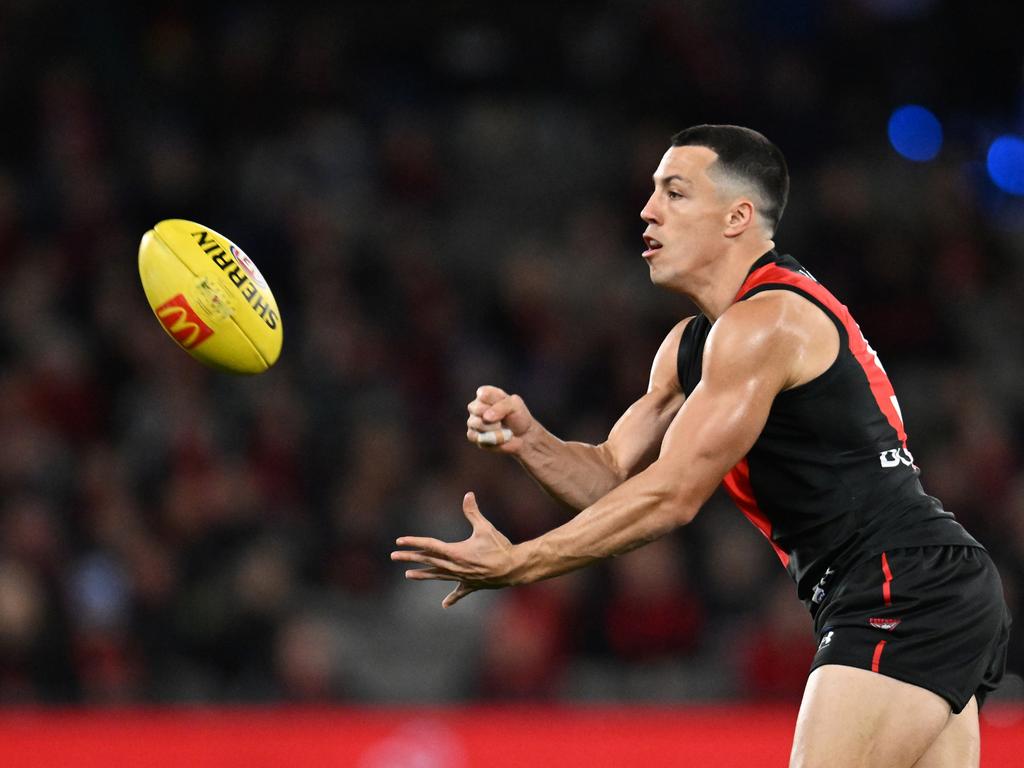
210,297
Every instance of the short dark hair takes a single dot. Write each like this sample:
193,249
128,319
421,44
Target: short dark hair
748,155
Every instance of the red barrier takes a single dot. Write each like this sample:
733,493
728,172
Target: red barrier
593,737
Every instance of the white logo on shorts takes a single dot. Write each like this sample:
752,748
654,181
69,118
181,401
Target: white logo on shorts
826,639
819,589
894,457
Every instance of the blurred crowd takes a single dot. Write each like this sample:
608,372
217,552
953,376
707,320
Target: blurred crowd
441,201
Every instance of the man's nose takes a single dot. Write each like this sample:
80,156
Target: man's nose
648,213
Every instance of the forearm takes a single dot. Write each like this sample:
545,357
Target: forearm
635,513
576,474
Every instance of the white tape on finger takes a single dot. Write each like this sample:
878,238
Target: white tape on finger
491,438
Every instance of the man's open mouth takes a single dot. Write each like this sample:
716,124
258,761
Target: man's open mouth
652,245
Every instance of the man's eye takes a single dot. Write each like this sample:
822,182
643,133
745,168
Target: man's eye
673,195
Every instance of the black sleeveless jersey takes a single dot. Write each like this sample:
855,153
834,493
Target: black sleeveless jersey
830,480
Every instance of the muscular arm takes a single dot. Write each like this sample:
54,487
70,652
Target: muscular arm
754,351
578,474
745,366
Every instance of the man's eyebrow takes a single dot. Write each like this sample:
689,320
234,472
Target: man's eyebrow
674,177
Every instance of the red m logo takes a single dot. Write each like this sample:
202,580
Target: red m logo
182,322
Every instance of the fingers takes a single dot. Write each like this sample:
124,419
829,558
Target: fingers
457,594
472,511
426,544
486,397
492,407
494,437
423,558
425,574
478,424
500,410
487,425
490,395
441,559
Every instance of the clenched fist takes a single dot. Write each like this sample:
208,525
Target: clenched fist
497,420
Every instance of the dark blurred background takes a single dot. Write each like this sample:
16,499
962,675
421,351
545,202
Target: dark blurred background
444,195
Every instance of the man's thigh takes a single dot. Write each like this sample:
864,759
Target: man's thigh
959,744
852,718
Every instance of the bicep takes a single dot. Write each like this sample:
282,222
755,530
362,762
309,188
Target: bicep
711,434
725,414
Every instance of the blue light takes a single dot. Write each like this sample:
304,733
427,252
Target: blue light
915,133
1006,164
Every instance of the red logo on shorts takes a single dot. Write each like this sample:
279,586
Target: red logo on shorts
887,624
182,322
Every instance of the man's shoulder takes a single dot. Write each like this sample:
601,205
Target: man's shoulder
778,329
763,327
765,313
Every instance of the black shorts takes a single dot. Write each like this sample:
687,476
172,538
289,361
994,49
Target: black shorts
931,616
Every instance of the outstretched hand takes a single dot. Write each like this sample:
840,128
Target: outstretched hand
486,560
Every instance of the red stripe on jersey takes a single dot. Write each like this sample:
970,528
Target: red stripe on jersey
887,584
737,483
881,388
878,655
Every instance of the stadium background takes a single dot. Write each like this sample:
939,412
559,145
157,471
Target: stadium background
444,195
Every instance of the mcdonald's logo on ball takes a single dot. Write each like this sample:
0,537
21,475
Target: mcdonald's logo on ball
182,322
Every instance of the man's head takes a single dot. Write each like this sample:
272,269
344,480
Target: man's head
747,162
717,187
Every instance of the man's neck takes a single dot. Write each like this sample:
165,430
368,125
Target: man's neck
718,291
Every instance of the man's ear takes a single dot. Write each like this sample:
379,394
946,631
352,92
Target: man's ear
741,217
